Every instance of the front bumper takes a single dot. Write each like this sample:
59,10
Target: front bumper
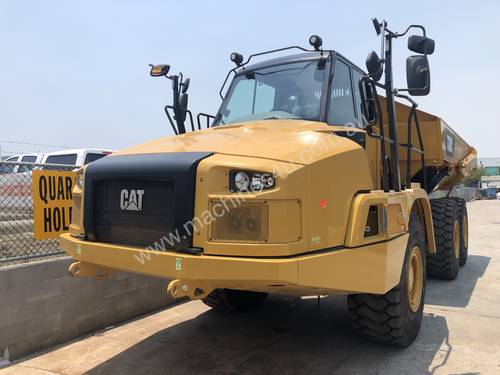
374,268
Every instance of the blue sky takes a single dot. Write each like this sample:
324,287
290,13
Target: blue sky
75,73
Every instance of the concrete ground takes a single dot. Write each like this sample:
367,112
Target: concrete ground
460,333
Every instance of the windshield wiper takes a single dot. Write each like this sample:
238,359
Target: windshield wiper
282,118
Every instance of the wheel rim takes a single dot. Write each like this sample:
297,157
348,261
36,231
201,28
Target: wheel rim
456,239
415,279
465,229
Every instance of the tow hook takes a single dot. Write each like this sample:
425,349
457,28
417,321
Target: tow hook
181,288
82,269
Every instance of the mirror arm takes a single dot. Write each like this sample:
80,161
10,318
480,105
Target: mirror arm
398,35
423,89
378,84
396,93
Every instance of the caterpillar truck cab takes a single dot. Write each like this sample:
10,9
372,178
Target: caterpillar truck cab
311,179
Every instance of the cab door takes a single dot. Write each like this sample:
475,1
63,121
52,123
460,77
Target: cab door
344,109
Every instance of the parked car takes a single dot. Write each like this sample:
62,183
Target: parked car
15,186
77,157
25,158
15,190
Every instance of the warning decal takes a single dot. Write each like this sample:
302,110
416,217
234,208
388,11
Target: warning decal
52,201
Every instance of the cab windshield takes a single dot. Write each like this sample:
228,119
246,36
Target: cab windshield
289,91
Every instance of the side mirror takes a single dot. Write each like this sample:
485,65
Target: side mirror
421,44
185,85
374,66
159,70
376,25
183,104
418,75
368,103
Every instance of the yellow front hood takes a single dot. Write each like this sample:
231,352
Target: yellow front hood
295,141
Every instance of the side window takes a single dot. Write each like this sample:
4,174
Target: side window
356,77
341,106
93,157
8,168
68,159
29,159
26,168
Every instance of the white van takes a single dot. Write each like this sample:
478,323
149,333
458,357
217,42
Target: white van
25,158
77,157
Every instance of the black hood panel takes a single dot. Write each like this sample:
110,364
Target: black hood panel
142,200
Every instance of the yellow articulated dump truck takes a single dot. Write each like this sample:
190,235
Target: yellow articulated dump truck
311,179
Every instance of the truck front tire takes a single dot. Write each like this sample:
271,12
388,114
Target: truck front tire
395,317
232,300
446,217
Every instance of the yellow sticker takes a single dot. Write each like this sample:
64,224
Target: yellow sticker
52,193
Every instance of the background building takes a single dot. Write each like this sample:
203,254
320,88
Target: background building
491,176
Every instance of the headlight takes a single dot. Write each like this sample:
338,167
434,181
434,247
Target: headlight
243,181
261,181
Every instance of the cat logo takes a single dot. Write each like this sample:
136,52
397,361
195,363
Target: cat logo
131,200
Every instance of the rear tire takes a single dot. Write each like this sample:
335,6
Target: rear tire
464,231
395,317
446,219
232,300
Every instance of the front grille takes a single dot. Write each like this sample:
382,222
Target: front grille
119,224
168,182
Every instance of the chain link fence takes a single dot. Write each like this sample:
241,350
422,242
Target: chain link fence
17,243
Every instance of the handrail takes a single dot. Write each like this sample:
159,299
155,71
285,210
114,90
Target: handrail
171,118
409,145
207,116
386,174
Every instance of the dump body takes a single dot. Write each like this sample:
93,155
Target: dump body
445,149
